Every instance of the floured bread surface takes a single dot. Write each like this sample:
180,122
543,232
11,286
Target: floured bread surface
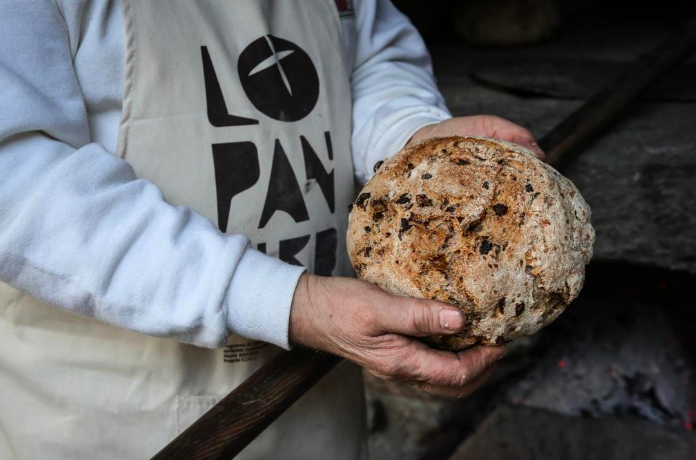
477,223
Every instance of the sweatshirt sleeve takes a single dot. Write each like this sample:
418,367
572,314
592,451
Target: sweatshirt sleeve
79,230
394,90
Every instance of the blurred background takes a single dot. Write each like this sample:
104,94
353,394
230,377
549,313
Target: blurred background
613,378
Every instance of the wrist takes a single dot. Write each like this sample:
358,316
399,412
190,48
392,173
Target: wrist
253,310
298,311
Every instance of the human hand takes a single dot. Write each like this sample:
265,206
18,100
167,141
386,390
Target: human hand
481,125
360,322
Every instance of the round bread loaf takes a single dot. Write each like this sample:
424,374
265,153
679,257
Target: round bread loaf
478,223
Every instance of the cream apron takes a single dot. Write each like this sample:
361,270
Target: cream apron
239,109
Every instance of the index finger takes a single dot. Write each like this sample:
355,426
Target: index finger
523,137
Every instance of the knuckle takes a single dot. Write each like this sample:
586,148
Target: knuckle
457,378
478,362
410,368
421,318
392,370
368,321
438,377
420,374
490,357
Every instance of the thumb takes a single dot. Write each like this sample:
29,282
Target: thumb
419,318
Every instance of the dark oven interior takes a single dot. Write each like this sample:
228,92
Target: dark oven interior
613,377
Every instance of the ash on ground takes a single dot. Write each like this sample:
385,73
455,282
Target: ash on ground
611,356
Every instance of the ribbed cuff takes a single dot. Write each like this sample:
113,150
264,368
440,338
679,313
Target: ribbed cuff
411,125
259,298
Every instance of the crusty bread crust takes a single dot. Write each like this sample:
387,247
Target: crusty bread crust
478,223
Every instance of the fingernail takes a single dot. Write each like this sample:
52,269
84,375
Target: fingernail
502,353
451,319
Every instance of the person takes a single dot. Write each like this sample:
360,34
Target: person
175,185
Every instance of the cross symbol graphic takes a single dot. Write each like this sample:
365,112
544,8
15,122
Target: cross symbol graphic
274,59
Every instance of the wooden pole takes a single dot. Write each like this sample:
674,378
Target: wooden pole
239,418
229,426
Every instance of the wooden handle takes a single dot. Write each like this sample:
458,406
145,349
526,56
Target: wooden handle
232,424
227,428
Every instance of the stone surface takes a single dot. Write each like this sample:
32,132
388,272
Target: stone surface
517,433
576,78
406,424
639,179
400,422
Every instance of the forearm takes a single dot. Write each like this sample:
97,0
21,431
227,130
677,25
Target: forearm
79,229
394,90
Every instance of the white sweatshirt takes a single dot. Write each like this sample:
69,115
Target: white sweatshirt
79,230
